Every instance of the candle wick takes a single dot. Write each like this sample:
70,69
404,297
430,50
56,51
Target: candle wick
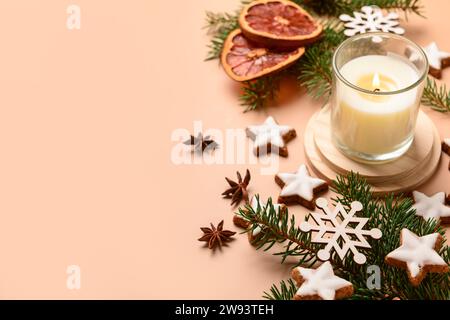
376,90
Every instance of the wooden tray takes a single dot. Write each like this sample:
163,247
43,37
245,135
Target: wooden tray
402,175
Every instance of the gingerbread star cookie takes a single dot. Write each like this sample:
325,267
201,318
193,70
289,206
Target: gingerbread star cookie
299,187
257,232
418,255
270,137
446,148
320,284
437,59
431,207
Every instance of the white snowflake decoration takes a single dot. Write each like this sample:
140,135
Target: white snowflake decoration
339,223
371,19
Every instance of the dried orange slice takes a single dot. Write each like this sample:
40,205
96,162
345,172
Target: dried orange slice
243,60
278,23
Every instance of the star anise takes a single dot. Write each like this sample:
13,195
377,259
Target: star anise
238,190
201,143
216,236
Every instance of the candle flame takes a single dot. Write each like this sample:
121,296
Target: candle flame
376,81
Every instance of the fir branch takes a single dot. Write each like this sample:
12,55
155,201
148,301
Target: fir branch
314,68
390,214
325,7
338,7
438,98
407,6
278,227
219,26
218,22
258,93
286,291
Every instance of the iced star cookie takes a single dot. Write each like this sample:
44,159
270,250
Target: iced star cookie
437,59
431,207
446,148
241,222
320,284
299,187
270,137
418,255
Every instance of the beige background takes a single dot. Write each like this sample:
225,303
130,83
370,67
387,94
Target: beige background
86,176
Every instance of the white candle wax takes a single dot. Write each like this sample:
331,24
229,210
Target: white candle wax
373,124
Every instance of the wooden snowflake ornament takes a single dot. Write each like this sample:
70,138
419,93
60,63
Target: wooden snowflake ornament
338,223
371,19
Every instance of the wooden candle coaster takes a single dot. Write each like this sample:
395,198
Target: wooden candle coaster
418,153
402,175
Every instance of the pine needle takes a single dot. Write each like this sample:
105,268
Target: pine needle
258,93
389,214
438,98
313,70
286,291
219,26
338,7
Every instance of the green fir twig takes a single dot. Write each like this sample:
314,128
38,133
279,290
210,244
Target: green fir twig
438,98
338,7
219,26
258,93
279,227
313,70
285,291
390,214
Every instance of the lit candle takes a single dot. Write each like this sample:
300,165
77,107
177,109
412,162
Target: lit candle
376,124
375,105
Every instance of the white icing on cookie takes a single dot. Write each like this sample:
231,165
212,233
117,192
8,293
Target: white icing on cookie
321,282
447,141
299,184
417,252
268,133
263,205
435,56
431,207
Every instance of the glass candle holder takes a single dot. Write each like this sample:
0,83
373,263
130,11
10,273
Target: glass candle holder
378,80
